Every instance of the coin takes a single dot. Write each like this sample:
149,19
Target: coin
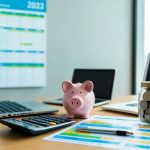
146,95
147,118
143,105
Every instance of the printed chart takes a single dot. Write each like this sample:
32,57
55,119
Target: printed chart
140,140
22,43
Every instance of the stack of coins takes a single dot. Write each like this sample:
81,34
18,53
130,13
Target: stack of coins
144,104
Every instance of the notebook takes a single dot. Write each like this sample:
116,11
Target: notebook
103,80
9,108
132,106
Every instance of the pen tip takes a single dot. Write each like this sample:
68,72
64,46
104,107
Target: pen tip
129,133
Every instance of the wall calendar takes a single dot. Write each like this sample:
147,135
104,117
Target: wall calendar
22,43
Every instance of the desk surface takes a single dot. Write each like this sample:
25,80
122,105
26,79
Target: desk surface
12,140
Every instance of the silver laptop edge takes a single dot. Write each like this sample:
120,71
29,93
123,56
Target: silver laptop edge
102,103
36,108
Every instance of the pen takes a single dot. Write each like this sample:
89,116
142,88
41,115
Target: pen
105,131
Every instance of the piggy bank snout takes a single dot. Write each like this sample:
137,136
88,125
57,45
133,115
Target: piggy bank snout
75,102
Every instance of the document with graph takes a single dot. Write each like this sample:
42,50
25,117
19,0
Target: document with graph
140,140
22,43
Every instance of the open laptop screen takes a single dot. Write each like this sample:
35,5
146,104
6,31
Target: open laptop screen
102,78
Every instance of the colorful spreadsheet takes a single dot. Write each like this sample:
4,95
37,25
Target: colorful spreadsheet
140,140
22,43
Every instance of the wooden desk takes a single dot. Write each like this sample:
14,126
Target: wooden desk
13,140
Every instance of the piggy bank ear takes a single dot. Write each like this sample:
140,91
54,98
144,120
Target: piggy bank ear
88,85
66,85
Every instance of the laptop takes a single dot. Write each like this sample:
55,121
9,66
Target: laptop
103,80
126,107
9,108
132,106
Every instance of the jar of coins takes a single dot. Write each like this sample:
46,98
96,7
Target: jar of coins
144,102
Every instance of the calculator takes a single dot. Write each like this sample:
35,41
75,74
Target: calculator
37,124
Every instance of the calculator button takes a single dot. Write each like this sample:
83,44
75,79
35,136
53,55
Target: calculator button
52,123
36,122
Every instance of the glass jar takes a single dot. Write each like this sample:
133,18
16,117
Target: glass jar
144,103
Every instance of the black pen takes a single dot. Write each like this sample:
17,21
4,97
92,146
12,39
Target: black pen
105,131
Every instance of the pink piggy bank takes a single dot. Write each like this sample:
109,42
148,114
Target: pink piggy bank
78,98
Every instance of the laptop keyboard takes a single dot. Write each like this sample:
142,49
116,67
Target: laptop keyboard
11,107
